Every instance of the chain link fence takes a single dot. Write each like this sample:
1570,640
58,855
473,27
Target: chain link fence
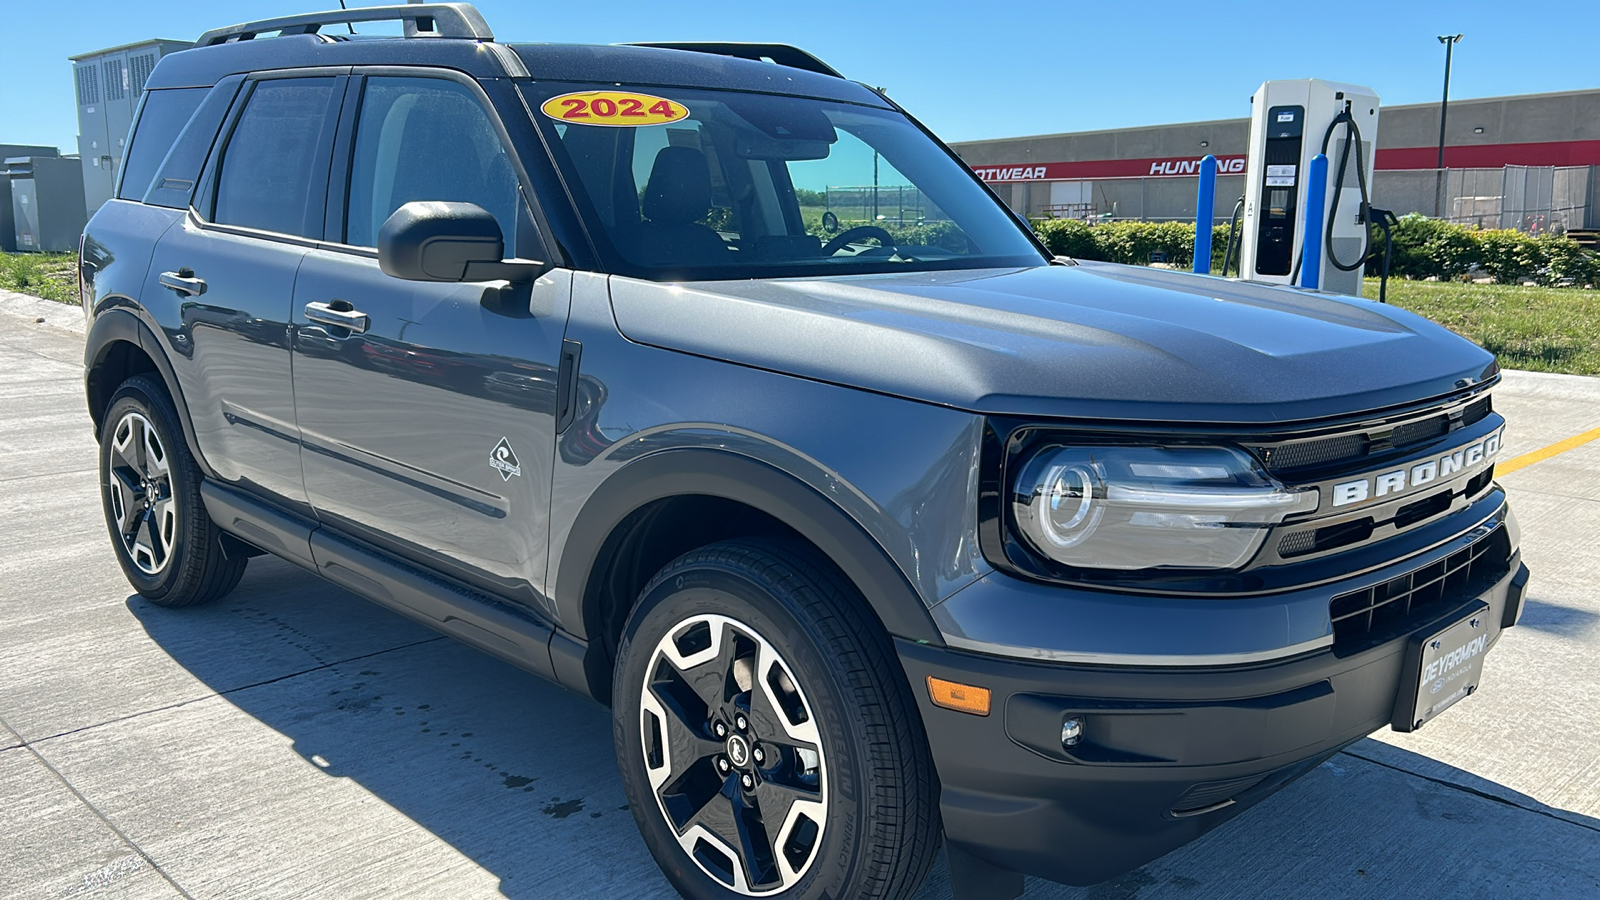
1533,199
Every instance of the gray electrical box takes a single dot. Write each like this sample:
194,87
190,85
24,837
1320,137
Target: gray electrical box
8,227
46,202
109,84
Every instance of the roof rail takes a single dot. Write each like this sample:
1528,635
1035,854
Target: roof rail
782,54
450,20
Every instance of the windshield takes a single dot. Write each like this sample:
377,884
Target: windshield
683,184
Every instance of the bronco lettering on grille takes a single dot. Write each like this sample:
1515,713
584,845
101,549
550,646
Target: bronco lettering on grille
1451,465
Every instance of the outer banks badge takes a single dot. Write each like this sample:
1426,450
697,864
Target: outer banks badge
505,459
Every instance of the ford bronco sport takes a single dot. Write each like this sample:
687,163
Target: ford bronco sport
876,527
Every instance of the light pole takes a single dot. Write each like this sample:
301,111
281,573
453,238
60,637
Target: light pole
1449,41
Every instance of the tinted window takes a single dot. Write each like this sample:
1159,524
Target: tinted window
267,173
723,184
425,139
164,114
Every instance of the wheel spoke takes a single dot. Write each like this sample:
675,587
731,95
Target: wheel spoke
164,521
154,453
697,796
756,851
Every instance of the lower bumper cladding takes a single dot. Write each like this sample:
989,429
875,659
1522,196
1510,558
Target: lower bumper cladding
1162,755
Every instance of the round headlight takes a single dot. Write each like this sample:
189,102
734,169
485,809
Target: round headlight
1058,503
1066,509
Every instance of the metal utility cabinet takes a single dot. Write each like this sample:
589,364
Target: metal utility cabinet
109,83
8,229
46,202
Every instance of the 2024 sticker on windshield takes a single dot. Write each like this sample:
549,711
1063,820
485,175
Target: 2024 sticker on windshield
618,108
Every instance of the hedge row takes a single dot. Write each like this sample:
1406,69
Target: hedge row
1423,248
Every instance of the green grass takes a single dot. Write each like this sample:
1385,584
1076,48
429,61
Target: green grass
1536,328
52,276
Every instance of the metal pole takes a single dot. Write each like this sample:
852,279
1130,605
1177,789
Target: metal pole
1204,206
1449,41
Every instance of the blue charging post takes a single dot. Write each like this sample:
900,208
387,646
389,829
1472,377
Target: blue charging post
1311,237
1204,206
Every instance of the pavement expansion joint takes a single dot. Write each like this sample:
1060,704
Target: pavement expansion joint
121,835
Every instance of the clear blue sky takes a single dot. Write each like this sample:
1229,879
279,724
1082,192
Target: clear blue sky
969,70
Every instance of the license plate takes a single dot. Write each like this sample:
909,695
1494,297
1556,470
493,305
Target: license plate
1444,667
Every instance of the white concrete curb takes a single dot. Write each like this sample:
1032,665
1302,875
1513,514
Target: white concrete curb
41,313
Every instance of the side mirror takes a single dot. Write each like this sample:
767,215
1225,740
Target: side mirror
435,240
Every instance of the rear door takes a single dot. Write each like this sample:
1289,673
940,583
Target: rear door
428,425
222,280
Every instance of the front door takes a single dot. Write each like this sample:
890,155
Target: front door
428,420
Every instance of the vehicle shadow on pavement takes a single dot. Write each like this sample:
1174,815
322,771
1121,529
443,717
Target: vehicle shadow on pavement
517,775
1556,618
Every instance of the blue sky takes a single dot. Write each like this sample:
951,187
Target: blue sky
968,70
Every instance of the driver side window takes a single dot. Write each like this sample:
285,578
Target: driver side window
425,139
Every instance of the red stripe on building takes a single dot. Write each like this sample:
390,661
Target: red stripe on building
1483,156
1493,156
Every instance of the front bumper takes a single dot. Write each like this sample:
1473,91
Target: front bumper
1166,754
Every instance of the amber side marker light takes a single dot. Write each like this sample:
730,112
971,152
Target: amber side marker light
959,697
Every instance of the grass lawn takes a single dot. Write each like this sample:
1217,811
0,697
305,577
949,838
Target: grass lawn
1542,329
52,276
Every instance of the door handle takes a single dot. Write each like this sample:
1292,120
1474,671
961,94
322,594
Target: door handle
339,314
184,282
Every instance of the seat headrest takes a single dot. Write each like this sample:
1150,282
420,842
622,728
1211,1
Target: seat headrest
679,189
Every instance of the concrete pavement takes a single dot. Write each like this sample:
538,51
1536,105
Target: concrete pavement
295,741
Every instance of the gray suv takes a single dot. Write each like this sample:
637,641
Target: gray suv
708,383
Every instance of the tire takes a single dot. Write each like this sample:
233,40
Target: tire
150,491
788,706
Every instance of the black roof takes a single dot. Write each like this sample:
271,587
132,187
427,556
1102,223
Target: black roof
633,65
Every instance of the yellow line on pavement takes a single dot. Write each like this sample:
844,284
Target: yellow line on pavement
1544,453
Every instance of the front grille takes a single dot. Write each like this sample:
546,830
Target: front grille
1376,614
1353,448
1427,429
1320,452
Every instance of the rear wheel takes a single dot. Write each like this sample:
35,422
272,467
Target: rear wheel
150,490
766,736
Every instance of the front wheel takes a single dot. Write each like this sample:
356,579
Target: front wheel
766,736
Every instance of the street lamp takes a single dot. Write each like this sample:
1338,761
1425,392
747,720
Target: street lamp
1449,41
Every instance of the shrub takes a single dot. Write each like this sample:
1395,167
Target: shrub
1423,248
1510,257
1429,248
1568,261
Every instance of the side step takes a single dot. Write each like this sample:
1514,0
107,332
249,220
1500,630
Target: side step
467,615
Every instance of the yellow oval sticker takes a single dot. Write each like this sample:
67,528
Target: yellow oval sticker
622,108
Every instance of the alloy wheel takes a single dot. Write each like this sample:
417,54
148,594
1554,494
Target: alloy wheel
142,502
733,755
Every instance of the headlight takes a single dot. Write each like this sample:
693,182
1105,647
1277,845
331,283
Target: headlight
1149,507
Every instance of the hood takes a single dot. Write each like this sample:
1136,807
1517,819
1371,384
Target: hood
1092,341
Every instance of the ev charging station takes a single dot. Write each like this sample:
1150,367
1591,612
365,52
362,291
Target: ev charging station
1305,218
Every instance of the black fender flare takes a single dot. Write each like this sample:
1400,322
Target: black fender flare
122,325
715,473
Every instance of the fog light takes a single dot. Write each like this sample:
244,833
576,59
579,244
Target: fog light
1071,732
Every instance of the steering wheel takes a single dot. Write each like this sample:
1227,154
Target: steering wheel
860,231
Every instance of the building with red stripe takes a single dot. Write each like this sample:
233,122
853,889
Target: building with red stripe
1150,172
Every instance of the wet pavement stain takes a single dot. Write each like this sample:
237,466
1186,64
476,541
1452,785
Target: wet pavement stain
559,809
516,781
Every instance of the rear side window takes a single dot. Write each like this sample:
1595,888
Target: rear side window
266,173
160,120
425,139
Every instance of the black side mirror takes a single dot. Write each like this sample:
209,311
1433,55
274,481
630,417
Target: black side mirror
436,240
